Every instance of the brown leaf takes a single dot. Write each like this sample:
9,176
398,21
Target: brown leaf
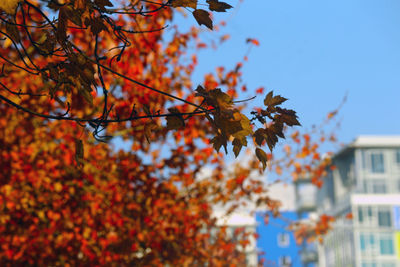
85,92
184,3
220,98
79,152
259,136
203,18
271,100
146,109
200,91
62,26
103,3
73,15
174,122
237,146
227,126
262,156
13,31
48,43
148,128
287,116
277,128
215,5
219,141
97,26
290,119
271,138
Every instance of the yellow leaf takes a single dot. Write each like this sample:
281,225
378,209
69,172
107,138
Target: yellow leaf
271,100
223,99
7,189
9,6
262,156
58,187
86,232
41,215
7,43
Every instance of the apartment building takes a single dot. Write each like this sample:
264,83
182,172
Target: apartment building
243,220
365,183
306,206
275,242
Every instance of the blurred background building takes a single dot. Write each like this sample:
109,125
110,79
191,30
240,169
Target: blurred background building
365,183
244,221
306,206
276,242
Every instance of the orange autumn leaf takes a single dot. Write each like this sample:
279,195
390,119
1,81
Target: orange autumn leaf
103,138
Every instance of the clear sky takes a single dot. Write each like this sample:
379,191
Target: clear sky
314,52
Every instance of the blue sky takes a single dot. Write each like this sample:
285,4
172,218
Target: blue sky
314,52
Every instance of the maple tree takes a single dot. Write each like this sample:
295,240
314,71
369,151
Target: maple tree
76,73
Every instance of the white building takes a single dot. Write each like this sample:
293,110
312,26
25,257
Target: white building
246,221
366,182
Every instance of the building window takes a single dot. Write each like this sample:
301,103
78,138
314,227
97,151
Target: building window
365,215
365,264
360,215
283,240
285,261
379,186
386,245
384,218
388,264
396,218
376,186
369,211
377,163
362,242
398,156
367,243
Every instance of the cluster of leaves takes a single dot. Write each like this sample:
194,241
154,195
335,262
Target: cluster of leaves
230,123
72,67
312,231
301,160
202,16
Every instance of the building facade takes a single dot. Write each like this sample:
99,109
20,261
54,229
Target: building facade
365,183
306,205
247,222
275,242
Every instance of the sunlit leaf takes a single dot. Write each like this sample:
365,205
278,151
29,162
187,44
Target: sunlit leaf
9,6
271,100
262,156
